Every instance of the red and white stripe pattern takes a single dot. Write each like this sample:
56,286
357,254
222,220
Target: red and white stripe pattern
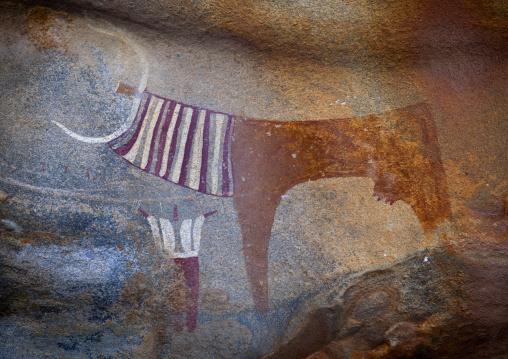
183,144
184,234
177,239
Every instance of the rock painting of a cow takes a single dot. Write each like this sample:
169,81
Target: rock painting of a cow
257,161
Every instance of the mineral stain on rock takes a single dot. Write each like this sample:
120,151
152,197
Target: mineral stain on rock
3,197
48,29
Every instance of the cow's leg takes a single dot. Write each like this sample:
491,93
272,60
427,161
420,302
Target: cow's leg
256,213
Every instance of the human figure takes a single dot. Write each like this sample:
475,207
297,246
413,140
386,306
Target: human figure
180,240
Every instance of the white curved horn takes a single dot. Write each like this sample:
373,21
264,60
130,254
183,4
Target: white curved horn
141,88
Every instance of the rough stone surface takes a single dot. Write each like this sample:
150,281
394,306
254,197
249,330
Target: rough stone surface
339,273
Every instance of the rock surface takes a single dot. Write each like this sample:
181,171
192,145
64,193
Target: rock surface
340,274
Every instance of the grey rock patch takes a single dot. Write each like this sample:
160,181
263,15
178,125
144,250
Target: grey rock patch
10,226
224,339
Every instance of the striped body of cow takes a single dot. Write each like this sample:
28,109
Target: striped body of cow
182,144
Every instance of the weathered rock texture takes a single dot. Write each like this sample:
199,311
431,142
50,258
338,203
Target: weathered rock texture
334,102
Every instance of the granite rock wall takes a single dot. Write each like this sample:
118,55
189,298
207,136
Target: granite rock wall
340,190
